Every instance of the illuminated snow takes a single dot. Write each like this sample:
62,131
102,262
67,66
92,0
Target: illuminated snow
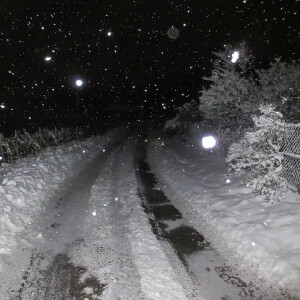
208,142
235,56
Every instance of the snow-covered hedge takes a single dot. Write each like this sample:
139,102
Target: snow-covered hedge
231,98
280,84
258,154
23,143
187,116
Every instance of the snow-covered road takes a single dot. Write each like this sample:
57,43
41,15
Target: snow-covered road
97,241
108,232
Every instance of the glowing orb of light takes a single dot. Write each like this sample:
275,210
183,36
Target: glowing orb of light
109,33
235,56
48,58
208,142
173,33
79,82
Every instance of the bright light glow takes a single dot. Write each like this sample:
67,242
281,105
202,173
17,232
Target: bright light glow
227,180
48,58
235,56
208,142
79,82
2,106
109,33
173,33
94,213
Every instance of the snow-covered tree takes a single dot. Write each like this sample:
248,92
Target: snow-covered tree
229,101
258,154
280,85
187,115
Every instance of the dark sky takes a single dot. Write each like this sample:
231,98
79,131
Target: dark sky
122,53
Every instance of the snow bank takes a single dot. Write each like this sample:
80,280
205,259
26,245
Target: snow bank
260,238
25,187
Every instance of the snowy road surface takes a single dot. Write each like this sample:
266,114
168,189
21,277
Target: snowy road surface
110,233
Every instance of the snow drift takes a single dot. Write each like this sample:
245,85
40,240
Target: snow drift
27,186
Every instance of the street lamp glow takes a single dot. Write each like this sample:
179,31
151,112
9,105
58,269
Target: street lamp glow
208,142
235,56
79,82
48,58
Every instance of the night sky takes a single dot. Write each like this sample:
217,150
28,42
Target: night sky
123,55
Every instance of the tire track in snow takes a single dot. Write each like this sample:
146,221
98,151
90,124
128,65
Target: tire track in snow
52,274
211,277
132,263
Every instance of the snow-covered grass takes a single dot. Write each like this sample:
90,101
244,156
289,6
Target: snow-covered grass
261,239
27,186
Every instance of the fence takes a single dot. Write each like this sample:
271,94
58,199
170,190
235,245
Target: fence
291,156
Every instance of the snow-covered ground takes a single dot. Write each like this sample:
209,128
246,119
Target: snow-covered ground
261,239
27,186
132,262
75,227
92,240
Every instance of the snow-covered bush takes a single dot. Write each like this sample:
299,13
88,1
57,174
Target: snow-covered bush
258,154
231,98
187,115
225,137
280,85
23,144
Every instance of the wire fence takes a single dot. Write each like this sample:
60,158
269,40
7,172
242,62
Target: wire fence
291,156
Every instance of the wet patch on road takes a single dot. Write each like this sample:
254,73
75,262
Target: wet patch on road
64,280
68,280
35,258
184,239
